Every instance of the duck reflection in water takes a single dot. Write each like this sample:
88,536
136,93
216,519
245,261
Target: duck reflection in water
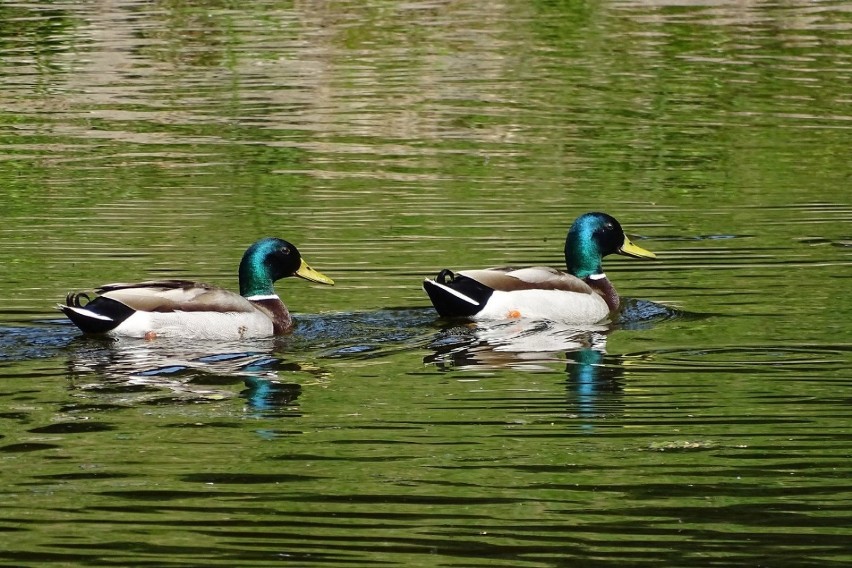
176,372
594,379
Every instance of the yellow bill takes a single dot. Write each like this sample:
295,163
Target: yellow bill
309,273
629,249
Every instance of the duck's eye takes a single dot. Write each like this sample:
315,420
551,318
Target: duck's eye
284,250
604,228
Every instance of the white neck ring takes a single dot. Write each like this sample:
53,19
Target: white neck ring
258,297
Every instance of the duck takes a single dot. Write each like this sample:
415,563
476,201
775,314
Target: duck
195,310
583,295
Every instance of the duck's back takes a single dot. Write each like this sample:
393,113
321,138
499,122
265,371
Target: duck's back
175,295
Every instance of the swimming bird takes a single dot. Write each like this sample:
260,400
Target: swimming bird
583,295
187,309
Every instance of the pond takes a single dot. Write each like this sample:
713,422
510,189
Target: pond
709,425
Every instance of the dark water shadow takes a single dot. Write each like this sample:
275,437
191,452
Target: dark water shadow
46,338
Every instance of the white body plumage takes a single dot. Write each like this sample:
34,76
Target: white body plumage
555,305
196,325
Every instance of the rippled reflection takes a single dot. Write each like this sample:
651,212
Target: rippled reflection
592,383
520,344
594,379
166,372
532,344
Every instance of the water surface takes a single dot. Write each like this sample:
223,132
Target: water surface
709,425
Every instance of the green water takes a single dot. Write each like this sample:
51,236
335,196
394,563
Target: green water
387,140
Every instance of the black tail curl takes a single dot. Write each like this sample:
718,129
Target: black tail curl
446,276
73,299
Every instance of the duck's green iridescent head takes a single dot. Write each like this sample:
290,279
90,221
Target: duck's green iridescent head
594,236
271,259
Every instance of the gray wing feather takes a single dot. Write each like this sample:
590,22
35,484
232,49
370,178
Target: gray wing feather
532,278
175,295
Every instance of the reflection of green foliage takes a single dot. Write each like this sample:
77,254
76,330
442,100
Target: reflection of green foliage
670,97
421,123
192,34
39,32
41,29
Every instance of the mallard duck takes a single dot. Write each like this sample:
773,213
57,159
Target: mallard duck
583,295
183,308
